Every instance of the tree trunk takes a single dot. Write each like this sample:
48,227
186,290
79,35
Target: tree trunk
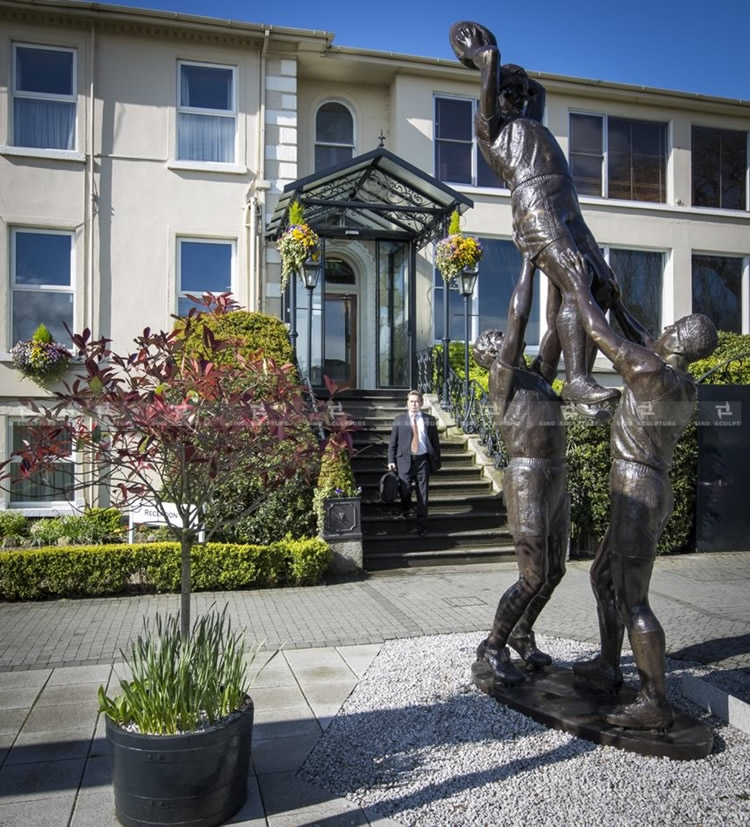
185,548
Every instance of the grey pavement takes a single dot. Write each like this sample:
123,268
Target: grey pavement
54,655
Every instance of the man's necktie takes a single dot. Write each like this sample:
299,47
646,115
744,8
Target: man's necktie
414,436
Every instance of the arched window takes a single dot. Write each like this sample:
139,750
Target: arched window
338,272
334,135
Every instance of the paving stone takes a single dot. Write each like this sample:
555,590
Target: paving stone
286,795
282,754
359,658
68,716
34,677
98,773
68,694
58,745
298,721
27,782
41,812
21,697
251,814
277,697
81,674
95,808
11,720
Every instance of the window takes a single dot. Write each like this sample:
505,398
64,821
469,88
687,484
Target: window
640,276
41,283
457,159
719,163
618,157
204,266
206,113
334,135
717,290
501,266
44,99
44,487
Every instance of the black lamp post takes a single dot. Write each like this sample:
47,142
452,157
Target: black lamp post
310,274
293,312
466,281
445,402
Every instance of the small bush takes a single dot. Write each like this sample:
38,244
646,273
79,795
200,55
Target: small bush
92,571
13,524
252,332
47,531
286,512
94,526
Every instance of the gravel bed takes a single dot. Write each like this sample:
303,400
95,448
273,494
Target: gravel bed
421,745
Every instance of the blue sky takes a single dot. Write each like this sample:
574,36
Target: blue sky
690,46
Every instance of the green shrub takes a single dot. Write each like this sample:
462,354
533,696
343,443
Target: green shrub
737,373
78,571
252,332
95,525
288,509
47,531
13,524
286,512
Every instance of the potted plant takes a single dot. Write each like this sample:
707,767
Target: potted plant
337,495
41,359
457,252
180,730
298,243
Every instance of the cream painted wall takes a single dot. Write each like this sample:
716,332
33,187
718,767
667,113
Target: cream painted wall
369,105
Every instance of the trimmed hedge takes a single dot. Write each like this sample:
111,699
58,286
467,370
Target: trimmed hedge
95,571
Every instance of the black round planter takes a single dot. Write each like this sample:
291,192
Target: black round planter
196,779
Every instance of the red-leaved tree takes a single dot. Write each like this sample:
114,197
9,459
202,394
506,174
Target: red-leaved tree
159,425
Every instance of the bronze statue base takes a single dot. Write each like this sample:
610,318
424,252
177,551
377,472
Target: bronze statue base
555,698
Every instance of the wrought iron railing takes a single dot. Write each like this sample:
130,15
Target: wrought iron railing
472,413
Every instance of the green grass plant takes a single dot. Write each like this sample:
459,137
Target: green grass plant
181,686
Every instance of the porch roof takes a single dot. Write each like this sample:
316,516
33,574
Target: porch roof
376,194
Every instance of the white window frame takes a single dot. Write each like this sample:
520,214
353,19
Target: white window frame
197,110
31,288
317,143
474,146
48,96
36,508
179,292
605,156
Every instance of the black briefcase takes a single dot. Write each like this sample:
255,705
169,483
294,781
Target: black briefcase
389,487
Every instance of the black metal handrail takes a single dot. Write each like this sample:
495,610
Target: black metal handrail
473,414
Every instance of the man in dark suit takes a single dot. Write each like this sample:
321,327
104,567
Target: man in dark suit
414,450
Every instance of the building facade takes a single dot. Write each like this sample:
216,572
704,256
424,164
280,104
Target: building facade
145,156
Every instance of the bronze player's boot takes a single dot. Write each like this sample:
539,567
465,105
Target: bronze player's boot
585,390
597,672
525,645
642,714
499,662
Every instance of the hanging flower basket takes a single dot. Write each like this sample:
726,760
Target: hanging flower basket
40,358
297,243
457,252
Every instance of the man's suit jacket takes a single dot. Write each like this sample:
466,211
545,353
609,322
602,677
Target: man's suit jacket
399,445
